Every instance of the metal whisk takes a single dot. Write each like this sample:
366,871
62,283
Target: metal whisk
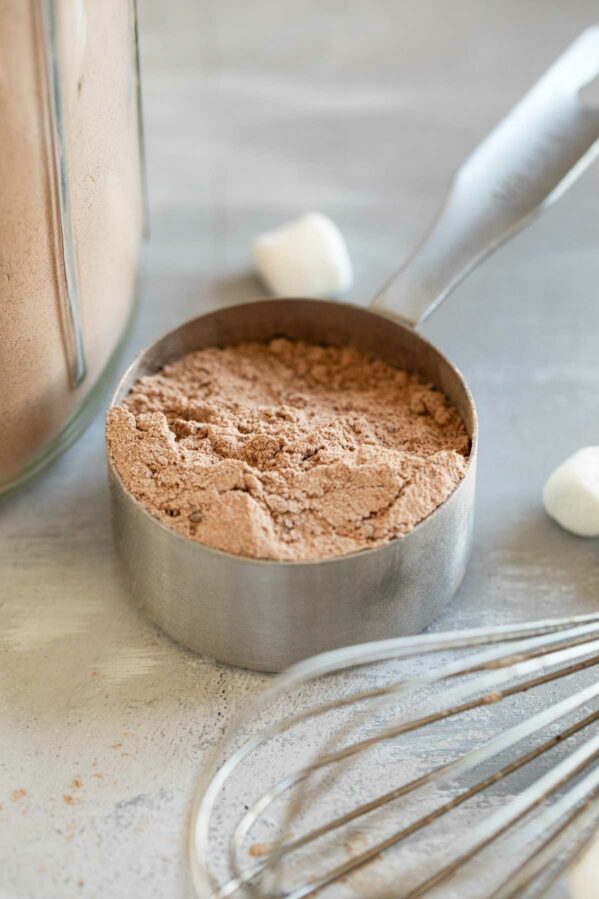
448,764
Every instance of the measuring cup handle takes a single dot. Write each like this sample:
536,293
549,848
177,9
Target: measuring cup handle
525,164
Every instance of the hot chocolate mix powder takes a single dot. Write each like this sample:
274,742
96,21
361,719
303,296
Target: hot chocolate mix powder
287,450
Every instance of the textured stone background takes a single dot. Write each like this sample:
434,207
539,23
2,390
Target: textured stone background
256,112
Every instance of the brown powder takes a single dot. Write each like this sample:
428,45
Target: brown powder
287,450
36,397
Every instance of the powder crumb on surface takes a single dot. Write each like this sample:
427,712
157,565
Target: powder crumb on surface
261,850
287,450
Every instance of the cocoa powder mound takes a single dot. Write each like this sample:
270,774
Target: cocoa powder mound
287,450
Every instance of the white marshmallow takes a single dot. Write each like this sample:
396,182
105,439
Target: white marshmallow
571,493
307,257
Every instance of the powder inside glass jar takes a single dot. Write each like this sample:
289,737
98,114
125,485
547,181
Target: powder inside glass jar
38,399
287,450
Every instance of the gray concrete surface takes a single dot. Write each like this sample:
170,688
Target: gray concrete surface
256,112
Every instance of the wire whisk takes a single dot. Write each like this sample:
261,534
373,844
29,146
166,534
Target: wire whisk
457,764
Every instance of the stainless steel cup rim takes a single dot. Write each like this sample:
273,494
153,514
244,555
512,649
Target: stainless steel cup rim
123,388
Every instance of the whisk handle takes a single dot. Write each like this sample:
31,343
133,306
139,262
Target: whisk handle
525,164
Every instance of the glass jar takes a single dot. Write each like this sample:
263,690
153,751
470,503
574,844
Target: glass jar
71,215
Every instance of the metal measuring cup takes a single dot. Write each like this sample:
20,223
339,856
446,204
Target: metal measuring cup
266,615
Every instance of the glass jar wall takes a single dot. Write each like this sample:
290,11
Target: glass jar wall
70,216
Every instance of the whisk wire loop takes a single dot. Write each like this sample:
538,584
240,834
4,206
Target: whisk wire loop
492,665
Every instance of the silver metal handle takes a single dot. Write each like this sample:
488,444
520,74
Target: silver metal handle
527,162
